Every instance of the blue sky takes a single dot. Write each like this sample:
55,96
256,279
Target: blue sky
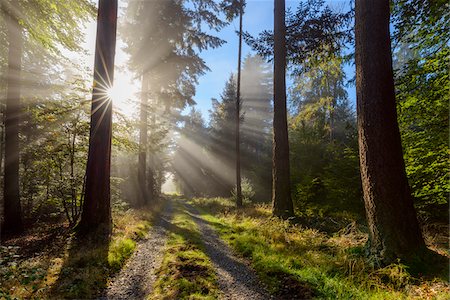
222,61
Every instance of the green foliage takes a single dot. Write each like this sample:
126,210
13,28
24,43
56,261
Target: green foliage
421,60
54,141
247,190
313,30
323,142
119,251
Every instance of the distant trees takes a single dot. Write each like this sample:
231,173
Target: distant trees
163,39
324,142
96,213
393,228
257,115
222,135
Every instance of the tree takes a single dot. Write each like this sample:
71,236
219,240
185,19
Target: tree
393,227
323,141
96,213
238,112
320,93
221,145
256,128
143,137
13,211
281,193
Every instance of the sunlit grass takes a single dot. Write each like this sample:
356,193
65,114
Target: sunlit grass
331,266
79,270
186,271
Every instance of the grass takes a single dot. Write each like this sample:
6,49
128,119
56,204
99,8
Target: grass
73,269
292,259
186,272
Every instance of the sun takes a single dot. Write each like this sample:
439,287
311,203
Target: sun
123,94
113,94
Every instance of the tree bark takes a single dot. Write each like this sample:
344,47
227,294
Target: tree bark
12,209
393,228
281,190
238,113
96,215
143,137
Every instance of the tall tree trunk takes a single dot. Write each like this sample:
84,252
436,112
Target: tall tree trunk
96,213
238,113
12,209
142,159
281,190
393,228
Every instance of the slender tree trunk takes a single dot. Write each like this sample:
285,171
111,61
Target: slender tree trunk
142,159
393,228
333,105
281,190
12,209
238,113
96,213
151,182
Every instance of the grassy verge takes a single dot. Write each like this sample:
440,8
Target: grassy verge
73,270
296,260
186,271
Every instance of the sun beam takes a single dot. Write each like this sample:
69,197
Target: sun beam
123,94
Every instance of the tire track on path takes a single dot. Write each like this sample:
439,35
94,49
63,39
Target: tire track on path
236,279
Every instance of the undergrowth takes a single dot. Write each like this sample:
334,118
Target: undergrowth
73,269
297,260
186,271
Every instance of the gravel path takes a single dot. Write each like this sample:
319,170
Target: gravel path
136,278
236,279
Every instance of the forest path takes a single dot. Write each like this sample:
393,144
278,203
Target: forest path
136,279
236,279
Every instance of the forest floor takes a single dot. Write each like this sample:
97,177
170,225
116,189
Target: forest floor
207,249
323,257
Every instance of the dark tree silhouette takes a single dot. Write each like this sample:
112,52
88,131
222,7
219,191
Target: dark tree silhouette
393,228
96,214
281,190
12,210
143,140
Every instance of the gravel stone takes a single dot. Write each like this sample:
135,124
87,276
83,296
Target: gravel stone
236,279
136,279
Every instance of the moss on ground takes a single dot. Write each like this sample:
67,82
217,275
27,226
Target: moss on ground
186,271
